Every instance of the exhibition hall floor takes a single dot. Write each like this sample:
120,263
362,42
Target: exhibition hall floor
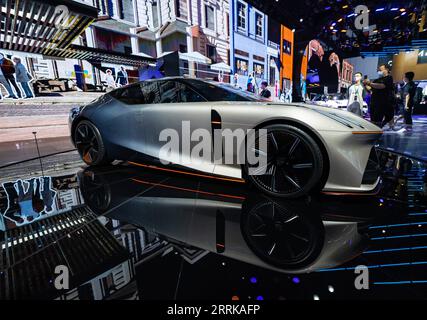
125,232
411,143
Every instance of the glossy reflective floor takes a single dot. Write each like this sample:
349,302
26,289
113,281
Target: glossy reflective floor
411,142
127,232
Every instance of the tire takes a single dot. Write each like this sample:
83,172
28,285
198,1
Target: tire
294,163
281,234
89,144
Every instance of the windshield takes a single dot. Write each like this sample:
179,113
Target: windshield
221,92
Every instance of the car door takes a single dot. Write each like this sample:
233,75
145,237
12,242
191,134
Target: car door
121,120
175,113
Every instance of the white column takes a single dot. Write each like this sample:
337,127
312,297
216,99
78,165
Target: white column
134,40
159,47
90,38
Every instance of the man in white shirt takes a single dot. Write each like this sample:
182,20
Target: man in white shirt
356,94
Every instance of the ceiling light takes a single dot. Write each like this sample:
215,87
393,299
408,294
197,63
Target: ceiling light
379,9
394,9
402,10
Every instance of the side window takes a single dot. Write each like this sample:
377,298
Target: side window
130,95
150,91
169,92
189,95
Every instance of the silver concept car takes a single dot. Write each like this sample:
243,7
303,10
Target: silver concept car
308,147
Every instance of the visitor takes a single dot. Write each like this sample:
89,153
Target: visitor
6,76
122,77
265,93
382,98
250,83
236,80
356,94
23,77
109,80
408,97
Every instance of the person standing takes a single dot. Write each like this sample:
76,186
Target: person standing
356,94
408,96
265,93
250,83
236,80
23,77
5,83
382,106
8,70
122,77
109,79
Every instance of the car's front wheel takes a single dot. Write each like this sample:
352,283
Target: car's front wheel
291,167
89,144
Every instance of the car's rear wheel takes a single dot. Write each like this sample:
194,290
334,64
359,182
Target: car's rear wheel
89,144
292,165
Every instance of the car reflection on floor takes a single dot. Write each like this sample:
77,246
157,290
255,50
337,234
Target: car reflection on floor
128,232
280,235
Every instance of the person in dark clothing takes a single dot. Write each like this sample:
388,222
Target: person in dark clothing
265,93
8,69
408,96
382,105
122,77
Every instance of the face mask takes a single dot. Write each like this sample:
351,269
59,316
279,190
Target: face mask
380,73
357,79
1,56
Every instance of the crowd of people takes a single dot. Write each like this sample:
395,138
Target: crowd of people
386,106
12,73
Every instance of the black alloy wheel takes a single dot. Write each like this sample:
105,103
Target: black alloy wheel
89,144
281,236
293,163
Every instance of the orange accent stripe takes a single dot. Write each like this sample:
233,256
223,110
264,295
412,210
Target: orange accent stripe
216,122
367,132
185,172
331,193
188,189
